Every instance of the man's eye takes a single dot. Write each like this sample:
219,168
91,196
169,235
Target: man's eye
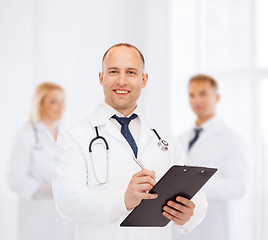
113,71
131,72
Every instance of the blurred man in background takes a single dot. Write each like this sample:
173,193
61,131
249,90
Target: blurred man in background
212,143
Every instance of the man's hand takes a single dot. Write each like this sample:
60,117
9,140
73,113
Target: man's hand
138,188
183,211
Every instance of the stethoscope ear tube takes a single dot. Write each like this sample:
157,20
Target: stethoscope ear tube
96,138
159,138
37,145
163,145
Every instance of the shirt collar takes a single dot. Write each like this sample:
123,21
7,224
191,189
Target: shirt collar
104,112
211,124
39,125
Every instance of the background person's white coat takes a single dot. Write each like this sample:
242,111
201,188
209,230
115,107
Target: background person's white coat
221,147
29,175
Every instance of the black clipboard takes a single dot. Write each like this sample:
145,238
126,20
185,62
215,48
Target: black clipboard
183,181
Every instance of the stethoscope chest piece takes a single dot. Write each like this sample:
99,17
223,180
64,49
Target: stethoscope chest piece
38,146
163,144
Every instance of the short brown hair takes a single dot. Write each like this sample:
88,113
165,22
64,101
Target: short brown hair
204,78
124,45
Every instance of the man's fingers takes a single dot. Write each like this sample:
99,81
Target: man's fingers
145,179
172,218
186,202
145,172
144,187
179,212
138,188
177,206
148,196
173,212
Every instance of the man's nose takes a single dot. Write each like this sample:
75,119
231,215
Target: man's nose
122,80
196,100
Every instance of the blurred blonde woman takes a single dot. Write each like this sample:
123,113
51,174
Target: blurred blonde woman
29,172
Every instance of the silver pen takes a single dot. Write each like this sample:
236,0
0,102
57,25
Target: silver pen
138,162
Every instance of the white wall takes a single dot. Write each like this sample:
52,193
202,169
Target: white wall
225,39
16,85
64,41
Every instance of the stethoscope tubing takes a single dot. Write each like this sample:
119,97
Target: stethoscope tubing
163,145
96,138
37,145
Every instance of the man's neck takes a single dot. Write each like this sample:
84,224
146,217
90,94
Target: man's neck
125,111
202,120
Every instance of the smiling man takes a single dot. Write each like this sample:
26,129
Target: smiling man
212,143
122,78
98,189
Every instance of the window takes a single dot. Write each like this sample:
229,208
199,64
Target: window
228,40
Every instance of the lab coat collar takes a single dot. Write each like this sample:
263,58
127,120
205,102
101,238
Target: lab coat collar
40,126
214,125
104,112
146,133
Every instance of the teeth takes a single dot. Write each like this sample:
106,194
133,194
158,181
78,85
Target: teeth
121,91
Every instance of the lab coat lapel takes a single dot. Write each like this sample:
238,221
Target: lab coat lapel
214,127
198,144
204,135
40,126
111,129
145,135
100,118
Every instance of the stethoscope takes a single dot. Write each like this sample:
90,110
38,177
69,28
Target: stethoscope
162,144
37,144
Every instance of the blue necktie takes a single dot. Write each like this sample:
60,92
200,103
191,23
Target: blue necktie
125,131
196,136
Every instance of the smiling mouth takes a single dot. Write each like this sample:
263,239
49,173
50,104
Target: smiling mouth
121,92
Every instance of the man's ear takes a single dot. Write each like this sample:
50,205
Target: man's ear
218,97
101,78
144,80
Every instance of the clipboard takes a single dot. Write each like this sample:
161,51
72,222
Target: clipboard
183,181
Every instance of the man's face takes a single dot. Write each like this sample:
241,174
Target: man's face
203,98
122,78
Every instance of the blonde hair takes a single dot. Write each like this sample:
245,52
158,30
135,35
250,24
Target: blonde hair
204,78
38,99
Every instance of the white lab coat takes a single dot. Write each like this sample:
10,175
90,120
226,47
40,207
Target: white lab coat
29,171
99,209
220,147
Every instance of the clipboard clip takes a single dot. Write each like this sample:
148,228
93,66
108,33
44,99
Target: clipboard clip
202,171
